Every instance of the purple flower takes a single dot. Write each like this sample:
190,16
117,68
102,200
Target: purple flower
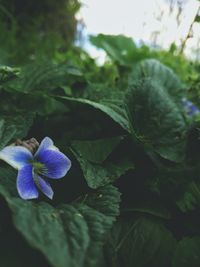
48,161
189,107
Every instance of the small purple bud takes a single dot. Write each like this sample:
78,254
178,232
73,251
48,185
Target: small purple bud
190,108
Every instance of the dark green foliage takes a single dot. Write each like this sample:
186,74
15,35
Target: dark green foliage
100,174
46,12
96,151
154,70
66,234
190,197
132,196
141,242
187,253
37,29
47,76
117,116
156,119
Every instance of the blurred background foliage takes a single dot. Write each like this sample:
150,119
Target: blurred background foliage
38,34
32,29
47,29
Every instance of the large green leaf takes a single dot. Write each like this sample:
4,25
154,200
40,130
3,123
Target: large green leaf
44,76
96,151
142,242
149,206
119,48
116,116
187,253
68,235
156,120
103,93
108,171
156,71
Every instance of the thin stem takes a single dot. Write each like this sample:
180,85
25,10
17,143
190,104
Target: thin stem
189,32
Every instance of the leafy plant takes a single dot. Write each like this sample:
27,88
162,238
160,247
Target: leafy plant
131,197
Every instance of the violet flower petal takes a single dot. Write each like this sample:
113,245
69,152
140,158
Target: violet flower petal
45,187
44,145
16,156
55,162
25,183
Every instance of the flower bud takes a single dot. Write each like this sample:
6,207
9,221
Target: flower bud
31,144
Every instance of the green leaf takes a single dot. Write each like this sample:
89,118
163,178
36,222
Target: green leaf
119,48
156,120
149,206
97,175
45,76
187,253
22,254
118,117
68,235
103,93
190,198
143,242
156,71
170,182
8,73
14,127
96,151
